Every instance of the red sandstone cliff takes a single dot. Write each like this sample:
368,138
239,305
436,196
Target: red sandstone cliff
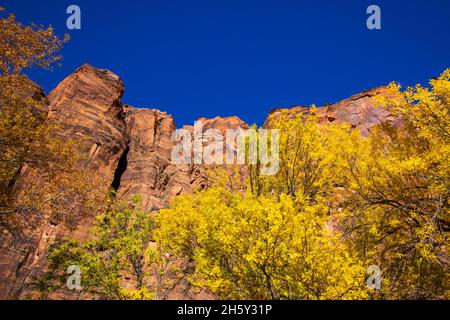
360,111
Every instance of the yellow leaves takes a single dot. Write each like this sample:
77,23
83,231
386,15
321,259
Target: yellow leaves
385,193
235,244
28,146
56,185
307,166
399,196
374,231
22,47
426,251
136,294
388,194
441,86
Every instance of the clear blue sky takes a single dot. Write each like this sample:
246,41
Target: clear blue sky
243,57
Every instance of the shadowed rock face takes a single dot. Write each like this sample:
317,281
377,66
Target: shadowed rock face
14,252
131,148
147,169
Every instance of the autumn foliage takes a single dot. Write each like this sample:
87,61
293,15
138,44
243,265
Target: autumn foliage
32,148
339,204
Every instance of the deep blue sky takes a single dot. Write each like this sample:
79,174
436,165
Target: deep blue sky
244,57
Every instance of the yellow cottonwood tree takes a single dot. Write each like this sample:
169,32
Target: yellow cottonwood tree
399,190
23,47
339,203
29,147
248,247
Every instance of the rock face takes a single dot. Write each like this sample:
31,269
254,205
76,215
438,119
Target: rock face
360,111
88,104
146,168
131,148
223,124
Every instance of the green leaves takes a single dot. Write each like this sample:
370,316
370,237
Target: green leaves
119,250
